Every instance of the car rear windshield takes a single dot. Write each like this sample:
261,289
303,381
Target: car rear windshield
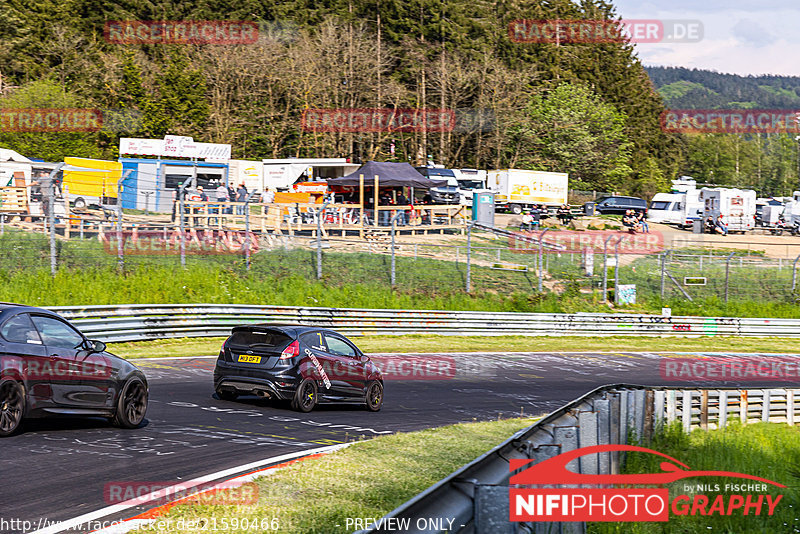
262,339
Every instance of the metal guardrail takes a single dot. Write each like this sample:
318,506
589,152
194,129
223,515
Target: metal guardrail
477,497
145,321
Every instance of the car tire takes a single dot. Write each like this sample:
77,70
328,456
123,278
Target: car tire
80,204
12,406
374,396
132,404
227,395
516,209
305,398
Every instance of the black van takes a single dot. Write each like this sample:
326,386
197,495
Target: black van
620,205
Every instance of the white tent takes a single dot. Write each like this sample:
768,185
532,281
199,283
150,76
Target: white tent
10,155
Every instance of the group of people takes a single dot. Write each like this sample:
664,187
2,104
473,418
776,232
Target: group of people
532,218
716,226
635,222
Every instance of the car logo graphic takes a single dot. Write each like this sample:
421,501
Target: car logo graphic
554,470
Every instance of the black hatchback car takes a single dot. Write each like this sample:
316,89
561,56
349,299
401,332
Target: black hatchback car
47,367
304,365
619,205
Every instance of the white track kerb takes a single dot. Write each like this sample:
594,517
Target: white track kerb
220,476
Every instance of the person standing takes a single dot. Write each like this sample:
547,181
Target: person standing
241,196
402,201
221,195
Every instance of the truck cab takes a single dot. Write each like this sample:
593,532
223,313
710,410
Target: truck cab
448,194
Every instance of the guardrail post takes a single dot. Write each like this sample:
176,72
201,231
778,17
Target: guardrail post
393,272
616,270
794,273
51,216
120,248
469,257
541,245
605,267
181,210
320,215
246,228
727,274
663,271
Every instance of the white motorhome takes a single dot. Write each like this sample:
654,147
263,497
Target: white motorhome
737,206
680,207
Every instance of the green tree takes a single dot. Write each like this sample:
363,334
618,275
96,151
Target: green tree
570,129
50,146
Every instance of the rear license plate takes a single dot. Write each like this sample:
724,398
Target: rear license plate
247,358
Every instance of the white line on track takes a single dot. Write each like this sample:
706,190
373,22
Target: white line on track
138,501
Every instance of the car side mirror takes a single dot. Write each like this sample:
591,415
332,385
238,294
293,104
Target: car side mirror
96,345
364,359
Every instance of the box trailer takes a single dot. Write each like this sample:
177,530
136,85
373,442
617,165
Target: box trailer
517,189
91,182
737,206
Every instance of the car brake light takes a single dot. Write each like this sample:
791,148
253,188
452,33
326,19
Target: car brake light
291,351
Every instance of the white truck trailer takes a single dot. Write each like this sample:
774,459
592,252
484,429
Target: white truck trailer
737,206
517,189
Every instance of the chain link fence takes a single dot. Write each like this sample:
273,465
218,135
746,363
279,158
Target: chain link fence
606,265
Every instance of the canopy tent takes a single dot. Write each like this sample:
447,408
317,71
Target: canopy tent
389,175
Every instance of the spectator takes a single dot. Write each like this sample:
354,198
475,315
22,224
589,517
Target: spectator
201,194
564,214
642,220
536,214
384,215
269,196
402,201
630,222
719,226
527,222
241,196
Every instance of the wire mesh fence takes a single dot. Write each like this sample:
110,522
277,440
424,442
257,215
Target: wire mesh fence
473,261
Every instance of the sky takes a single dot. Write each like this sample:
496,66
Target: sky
738,36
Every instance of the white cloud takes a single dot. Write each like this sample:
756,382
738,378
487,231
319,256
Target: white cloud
741,37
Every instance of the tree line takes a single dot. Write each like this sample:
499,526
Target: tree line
586,109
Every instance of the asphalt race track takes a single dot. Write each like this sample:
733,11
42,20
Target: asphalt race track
56,469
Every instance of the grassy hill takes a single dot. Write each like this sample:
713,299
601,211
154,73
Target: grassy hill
699,89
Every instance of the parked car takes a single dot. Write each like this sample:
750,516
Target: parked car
619,205
303,365
48,368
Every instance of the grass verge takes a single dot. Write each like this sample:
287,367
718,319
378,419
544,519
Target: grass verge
771,451
367,479
433,343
